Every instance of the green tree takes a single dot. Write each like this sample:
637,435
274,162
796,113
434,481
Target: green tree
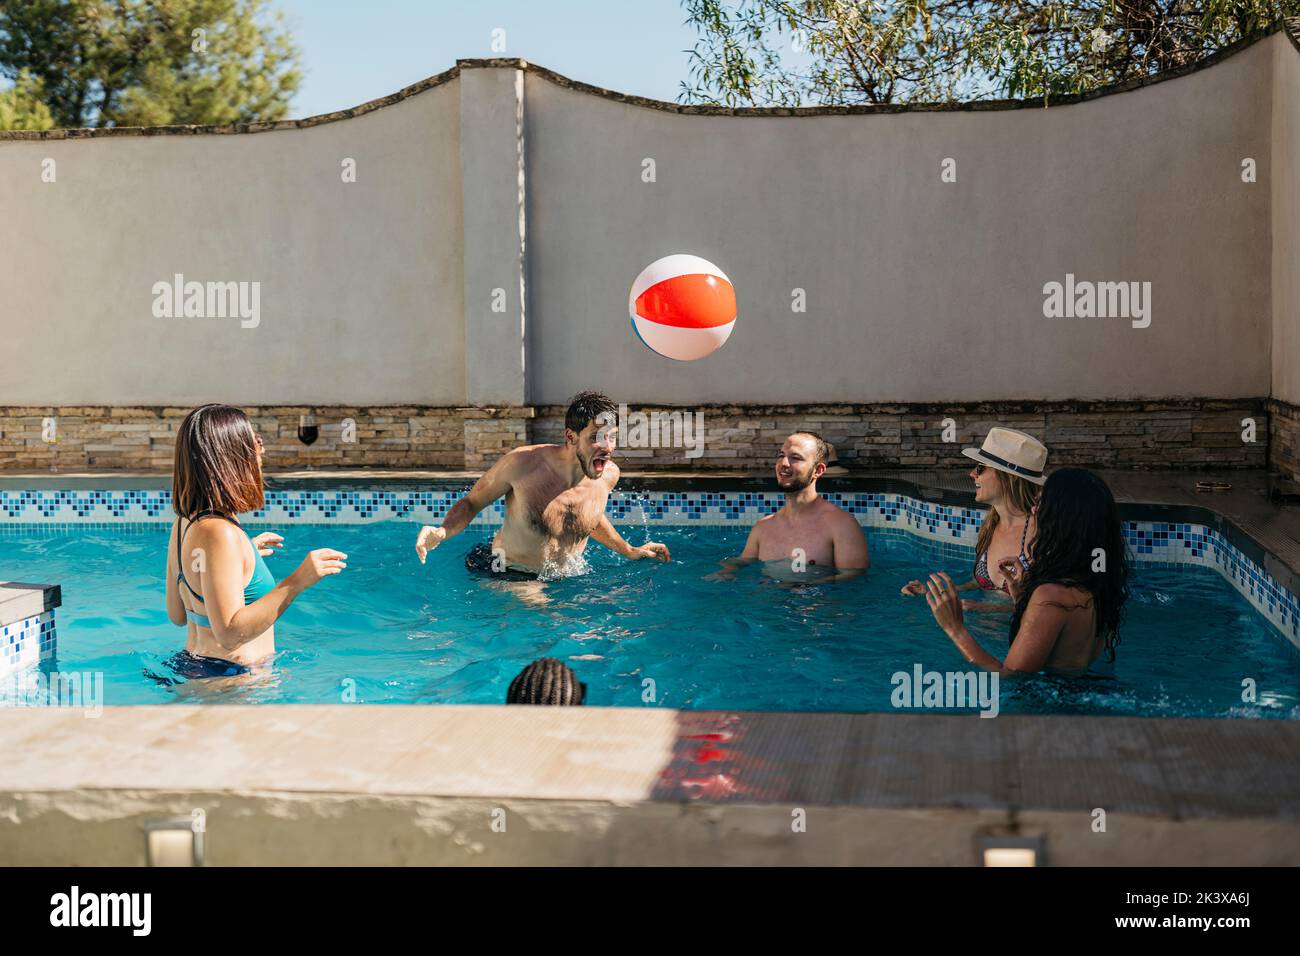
150,62
21,106
840,52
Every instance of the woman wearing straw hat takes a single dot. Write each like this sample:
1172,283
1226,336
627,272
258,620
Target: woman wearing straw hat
1007,475
1070,603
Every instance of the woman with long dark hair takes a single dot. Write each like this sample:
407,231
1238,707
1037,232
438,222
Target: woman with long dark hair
218,586
1069,601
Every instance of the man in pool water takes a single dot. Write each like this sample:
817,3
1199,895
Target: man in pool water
555,500
808,533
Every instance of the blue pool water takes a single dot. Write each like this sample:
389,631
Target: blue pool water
389,630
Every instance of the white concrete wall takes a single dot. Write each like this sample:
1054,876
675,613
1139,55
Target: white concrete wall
493,187
917,290
360,283
1286,221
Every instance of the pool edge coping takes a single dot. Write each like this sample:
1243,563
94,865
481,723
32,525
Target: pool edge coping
1003,772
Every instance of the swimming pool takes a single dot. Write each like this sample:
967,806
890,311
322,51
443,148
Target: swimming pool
641,634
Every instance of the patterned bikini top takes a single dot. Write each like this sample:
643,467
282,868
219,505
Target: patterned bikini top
982,564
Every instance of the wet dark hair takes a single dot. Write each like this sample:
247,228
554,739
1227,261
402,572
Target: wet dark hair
216,466
1077,514
547,681
588,407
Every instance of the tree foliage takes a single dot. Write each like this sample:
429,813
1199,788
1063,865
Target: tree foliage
839,52
22,105
149,62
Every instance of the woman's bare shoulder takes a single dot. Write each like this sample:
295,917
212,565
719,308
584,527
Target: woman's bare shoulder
1065,596
212,530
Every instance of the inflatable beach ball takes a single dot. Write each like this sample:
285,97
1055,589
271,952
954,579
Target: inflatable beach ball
683,307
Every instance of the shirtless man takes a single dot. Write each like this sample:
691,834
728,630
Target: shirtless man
808,531
555,500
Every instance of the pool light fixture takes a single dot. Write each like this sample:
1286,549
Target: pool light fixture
1010,850
173,842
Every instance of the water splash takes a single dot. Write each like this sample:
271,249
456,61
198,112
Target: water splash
568,565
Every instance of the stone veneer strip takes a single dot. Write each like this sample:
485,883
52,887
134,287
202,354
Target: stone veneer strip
1284,438
1154,434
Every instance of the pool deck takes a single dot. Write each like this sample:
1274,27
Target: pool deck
409,784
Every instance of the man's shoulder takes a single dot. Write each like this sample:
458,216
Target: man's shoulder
543,449
529,453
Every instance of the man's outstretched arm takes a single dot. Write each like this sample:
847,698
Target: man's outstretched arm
608,535
496,482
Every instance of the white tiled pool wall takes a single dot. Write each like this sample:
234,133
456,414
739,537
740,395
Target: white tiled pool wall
953,529
27,641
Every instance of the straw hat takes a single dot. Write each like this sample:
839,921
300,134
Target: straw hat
1013,452
833,466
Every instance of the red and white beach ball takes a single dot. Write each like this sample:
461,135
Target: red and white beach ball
683,307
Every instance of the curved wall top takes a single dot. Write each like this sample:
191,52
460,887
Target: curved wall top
500,212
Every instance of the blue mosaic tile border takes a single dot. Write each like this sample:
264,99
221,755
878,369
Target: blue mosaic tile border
948,525
27,642
362,507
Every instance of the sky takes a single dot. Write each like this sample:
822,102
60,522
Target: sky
358,50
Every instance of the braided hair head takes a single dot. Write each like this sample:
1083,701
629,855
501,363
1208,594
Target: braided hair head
547,681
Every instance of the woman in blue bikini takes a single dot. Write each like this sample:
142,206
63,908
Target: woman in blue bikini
218,586
1007,475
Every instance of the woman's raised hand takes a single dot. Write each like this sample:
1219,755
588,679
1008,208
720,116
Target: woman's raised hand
267,542
319,564
945,603
1013,571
